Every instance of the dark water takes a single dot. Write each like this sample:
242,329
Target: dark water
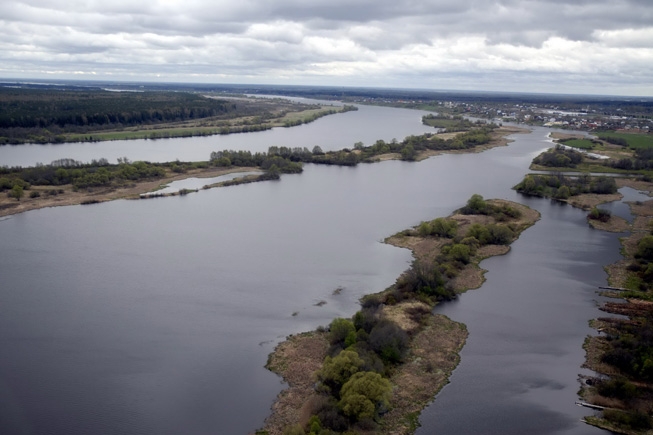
621,208
332,132
157,316
520,364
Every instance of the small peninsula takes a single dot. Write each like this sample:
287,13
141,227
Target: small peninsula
375,372
69,182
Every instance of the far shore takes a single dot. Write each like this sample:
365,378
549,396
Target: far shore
68,196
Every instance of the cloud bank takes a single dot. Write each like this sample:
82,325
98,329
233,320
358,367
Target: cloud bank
580,46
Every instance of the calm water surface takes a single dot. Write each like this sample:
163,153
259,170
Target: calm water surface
332,132
157,316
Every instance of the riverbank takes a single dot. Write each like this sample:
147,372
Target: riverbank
623,390
498,138
40,196
57,196
434,340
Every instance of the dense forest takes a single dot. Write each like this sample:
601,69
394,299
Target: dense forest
42,115
28,108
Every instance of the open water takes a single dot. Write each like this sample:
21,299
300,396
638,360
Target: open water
157,316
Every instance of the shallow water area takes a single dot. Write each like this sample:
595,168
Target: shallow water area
621,208
194,183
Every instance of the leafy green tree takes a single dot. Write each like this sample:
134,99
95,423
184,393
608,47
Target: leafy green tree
480,233
17,192
460,252
337,370
475,205
364,394
339,330
444,227
563,192
389,341
645,248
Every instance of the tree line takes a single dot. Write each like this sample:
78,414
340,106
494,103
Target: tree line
42,114
559,186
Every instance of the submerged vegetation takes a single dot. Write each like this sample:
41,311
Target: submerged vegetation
378,347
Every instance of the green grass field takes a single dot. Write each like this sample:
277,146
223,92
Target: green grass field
635,140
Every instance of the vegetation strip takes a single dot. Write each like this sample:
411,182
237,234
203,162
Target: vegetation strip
91,115
68,182
622,355
376,371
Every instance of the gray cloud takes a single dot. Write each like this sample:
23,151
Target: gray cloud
430,43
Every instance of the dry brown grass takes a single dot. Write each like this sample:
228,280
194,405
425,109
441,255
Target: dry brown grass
296,360
433,356
615,224
587,201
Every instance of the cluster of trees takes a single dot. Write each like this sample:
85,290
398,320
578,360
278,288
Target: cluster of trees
430,281
559,157
599,214
273,158
614,140
642,160
560,187
354,377
450,123
641,268
98,173
29,114
477,205
353,382
317,115
408,148
628,348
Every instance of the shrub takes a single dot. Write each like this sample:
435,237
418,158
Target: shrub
619,388
645,248
475,205
599,214
364,394
633,420
339,330
337,370
444,227
389,341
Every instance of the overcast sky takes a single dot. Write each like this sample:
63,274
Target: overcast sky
579,46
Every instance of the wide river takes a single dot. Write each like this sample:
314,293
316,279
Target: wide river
157,316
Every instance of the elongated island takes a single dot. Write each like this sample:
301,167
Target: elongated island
376,371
